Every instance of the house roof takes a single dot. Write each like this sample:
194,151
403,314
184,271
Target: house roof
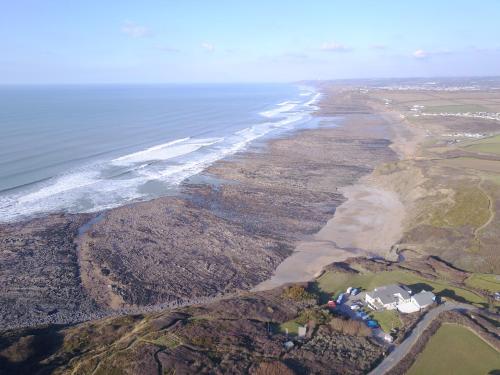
387,294
424,298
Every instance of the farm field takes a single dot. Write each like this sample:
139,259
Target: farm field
472,163
456,350
484,281
457,108
490,145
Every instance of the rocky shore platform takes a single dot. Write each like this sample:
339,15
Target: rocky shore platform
213,239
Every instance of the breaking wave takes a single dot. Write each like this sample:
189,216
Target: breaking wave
111,183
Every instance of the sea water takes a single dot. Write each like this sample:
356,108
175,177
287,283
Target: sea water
89,148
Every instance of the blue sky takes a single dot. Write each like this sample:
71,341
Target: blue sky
96,41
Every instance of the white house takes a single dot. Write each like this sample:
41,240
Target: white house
388,297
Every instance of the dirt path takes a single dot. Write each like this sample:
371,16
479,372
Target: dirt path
490,209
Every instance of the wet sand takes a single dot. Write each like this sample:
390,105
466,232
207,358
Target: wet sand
368,223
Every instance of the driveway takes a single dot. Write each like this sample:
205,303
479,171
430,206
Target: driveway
402,349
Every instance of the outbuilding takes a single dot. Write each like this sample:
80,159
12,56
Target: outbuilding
423,299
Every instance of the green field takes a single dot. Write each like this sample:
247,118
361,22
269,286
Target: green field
484,281
490,145
458,108
337,282
456,350
470,208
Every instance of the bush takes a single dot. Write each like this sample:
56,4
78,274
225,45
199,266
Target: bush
273,368
317,316
297,293
350,327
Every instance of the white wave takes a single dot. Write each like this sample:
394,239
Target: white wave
314,99
92,188
165,151
278,111
288,102
61,185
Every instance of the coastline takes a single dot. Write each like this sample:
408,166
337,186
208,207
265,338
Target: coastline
214,240
369,223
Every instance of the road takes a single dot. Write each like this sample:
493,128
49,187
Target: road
402,349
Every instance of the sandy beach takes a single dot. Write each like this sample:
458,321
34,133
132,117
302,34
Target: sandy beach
368,223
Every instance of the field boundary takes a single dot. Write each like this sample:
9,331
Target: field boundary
446,317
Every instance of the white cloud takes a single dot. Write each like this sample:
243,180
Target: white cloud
423,54
209,47
134,30
420,54
334,47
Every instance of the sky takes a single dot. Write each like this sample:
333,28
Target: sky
153,41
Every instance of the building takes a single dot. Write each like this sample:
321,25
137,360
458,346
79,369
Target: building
417,302
423,299
388,297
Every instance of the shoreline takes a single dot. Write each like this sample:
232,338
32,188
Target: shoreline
368,223
215,240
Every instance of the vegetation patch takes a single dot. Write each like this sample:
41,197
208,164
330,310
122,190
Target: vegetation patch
484,281
298,293
470,207
350,327
487,145
472,163
459,108
456,350
291,327
312,314
387,319
168,340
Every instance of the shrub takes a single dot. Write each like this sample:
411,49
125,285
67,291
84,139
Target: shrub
317,316
272,368
297,293
350,327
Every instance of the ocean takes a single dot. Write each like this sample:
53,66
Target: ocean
89,148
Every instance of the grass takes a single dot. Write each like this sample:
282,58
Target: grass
459,108
490,145
337,282
456,350
292,326
166,341
470,208
387,319
484,281
472,163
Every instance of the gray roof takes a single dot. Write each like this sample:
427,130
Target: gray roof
387,294
424,298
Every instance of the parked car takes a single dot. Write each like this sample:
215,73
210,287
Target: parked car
340,299
372,324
